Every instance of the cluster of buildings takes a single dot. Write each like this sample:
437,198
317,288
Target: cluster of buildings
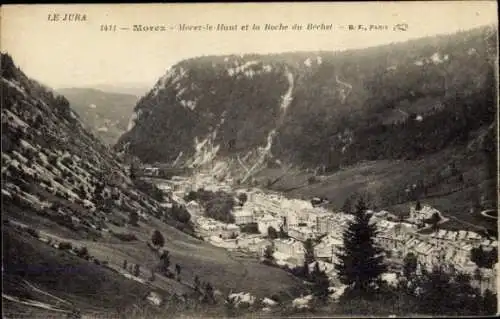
302,221
208,227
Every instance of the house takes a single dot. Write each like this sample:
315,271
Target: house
425,212
327,267
409,246
423,251
462,254
267,221
151,171
325,223
314,213
290,247
242,216
256,245
194,208
328,247
473,237
154,298
393,236
322,224
229,231
462,235
164,187
301,233
451,236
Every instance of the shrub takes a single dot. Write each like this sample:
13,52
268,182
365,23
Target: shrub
157,239
311,180
33,232
180,213
133,218
82,252
137,270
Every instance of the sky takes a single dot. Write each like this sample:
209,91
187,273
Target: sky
77,54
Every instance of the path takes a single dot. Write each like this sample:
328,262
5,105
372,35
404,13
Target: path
34,303
46,293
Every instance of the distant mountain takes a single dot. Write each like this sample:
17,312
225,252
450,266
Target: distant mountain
320,109
138,89
105,113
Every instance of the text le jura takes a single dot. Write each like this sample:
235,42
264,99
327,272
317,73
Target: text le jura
68,17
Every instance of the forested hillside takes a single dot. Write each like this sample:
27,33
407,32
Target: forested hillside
328,109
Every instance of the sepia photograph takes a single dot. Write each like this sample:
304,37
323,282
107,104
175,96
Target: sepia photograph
249,160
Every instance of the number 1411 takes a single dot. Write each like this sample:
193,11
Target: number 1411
108,27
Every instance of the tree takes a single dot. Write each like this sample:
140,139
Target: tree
134,218
220,208
309,251
137,270
321,283
178,271
133,172
409,265
230,304
360,261
418,206
125,264
304,270
268,254
311,180
209,293
81,192
482,258
83,252
347,206
282,233
190,196
442,292
434,220
489,303
157,239
98,199
272,233
180,213
242,197
165,262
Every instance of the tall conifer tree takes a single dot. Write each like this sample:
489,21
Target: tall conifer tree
360,261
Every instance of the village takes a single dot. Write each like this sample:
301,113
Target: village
272,214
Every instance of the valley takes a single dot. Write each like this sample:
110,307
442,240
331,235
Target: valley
230,187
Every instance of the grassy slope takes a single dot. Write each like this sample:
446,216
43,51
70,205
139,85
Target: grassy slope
386,181
66,275
211,264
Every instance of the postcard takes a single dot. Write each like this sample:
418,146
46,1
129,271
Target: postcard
250,160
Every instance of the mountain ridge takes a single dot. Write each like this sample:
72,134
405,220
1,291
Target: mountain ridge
336,99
